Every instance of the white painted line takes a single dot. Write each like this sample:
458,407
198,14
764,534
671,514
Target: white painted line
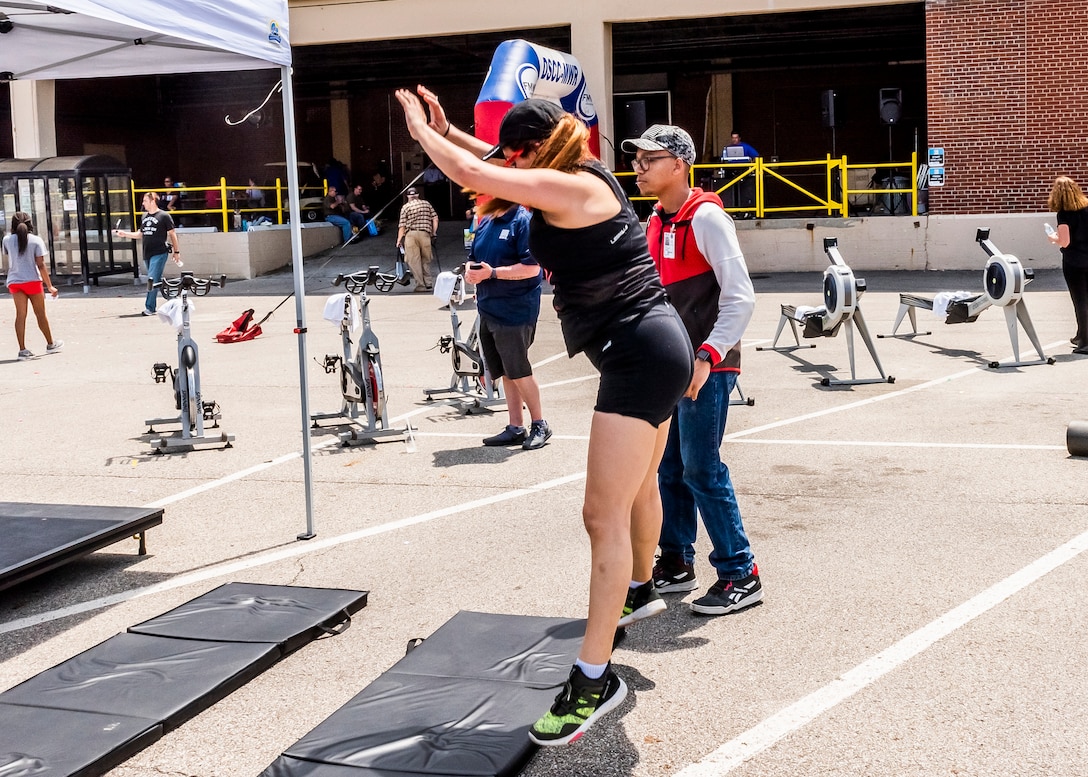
870,400
556,357
291,551
799,714
459,435
582,379
853,405
879,444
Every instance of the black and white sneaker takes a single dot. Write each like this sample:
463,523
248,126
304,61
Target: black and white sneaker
727,596
671,574
642,603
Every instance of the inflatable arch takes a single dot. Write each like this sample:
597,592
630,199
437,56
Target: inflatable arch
520,70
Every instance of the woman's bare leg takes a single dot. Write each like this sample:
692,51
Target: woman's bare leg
38,303
622,451
21,300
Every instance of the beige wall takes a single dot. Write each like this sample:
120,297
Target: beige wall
895,243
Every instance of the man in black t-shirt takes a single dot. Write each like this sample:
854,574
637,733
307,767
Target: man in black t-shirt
157,231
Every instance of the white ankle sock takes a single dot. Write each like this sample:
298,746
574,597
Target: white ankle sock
591,671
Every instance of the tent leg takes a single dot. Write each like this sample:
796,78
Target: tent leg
300,291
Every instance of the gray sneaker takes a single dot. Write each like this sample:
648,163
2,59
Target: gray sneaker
25,354
539,434
54,346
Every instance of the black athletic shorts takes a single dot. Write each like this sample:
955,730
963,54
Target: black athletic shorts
506,349
645,366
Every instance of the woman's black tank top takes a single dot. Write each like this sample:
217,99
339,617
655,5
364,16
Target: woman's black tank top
602,274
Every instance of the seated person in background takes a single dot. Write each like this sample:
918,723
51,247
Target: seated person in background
384,195
360,213
336,212
212,200
254,195
171,198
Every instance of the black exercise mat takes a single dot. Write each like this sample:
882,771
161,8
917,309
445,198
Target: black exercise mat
93,711
289,616
164,680
42,742
459,704
41,537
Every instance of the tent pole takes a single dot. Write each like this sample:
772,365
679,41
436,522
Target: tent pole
300,291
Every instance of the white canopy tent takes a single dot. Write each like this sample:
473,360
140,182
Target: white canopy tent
90,39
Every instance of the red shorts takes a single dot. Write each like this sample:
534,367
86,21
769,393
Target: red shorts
30,288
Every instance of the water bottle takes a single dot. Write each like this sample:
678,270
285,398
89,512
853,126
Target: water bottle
1050,231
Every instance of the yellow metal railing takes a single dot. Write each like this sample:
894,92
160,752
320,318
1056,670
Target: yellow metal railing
832,196
220,201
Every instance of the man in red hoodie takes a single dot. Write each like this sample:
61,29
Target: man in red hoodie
694,245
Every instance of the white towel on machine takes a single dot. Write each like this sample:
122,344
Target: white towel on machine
334,311
942,299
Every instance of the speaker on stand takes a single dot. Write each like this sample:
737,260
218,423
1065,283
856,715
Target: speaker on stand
891,111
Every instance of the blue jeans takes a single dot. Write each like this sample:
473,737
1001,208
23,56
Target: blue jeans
692,475
343,223
155,265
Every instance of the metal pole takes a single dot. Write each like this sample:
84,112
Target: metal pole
300,291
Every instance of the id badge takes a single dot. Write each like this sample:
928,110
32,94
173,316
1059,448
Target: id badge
668,245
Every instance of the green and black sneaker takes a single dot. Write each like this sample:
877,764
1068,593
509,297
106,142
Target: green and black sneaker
577,707
642,603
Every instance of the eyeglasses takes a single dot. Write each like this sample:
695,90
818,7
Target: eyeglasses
642,164
512,158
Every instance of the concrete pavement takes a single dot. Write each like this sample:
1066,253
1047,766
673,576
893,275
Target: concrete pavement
905,630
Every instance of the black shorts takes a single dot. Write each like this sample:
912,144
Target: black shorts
645,366
506,349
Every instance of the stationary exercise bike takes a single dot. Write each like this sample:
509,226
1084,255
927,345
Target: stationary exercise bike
470,379
185,379
362,385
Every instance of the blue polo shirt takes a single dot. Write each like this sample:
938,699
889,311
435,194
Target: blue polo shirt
503,241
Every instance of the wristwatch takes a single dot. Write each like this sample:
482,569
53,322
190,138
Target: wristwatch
705,356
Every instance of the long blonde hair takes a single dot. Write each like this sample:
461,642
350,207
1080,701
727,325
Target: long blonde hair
1066,195
565,149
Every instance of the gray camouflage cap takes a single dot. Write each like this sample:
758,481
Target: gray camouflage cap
663,137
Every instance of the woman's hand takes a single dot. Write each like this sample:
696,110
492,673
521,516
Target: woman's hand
414,115
477,272
53,291
439,123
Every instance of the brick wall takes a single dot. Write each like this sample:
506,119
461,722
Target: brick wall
1007,99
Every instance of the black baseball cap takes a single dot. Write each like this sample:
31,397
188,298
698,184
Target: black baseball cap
527,121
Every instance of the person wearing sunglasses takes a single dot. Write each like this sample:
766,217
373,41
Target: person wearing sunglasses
694,244
612,307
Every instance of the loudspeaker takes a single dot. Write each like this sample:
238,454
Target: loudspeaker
634,118
891,105
827,108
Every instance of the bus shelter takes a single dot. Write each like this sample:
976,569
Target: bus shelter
75,202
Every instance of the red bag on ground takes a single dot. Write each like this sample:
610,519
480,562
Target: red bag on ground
241,329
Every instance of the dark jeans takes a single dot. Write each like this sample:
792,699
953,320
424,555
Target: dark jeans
692,475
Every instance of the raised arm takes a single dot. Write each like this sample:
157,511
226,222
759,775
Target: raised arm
440,124
569,200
